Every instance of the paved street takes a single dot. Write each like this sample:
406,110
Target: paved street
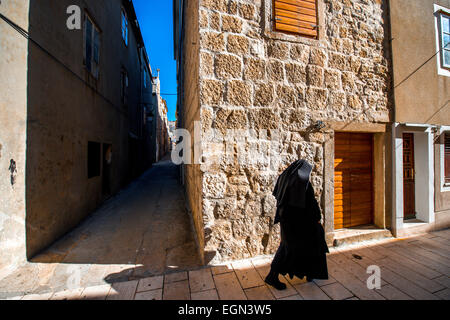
413,268
143,231
138,245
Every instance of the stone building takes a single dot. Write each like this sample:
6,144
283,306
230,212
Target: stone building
172,135
263,83
421,130
161,122
74,92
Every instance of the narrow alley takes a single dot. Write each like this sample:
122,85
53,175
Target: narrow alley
141,232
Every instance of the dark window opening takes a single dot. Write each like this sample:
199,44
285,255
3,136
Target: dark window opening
92,47
107,164
124,86
94,155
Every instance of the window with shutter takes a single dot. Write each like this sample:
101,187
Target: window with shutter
447,157
296,16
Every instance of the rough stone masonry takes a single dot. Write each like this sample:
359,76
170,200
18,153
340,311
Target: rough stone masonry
260,94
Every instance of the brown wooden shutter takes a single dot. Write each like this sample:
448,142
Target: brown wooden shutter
447,157
296,16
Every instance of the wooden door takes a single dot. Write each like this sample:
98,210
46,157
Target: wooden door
353,180
409,202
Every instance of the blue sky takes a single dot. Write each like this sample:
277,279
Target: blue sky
155,19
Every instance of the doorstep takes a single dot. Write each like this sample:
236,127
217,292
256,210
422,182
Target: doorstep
414,227
359,234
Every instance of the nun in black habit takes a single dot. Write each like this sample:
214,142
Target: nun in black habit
303,249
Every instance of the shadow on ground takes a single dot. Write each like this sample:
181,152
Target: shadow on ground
143,231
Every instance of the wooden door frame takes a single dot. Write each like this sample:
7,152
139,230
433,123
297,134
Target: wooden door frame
425,160
371,215
412,147
379,174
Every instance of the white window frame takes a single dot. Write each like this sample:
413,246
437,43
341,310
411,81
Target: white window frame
124,28
439,11
445,187
94,63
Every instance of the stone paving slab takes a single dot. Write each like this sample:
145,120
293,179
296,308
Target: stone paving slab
404,277
201,280
205,295
177,291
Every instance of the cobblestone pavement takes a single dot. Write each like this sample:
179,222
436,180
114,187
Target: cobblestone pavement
141,232
413,268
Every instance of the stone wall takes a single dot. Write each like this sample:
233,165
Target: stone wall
269,88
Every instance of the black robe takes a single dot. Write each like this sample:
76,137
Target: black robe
303,249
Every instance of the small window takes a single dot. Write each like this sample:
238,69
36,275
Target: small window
445,40
447,158
124,86
297,17
92,47
93,159
124,27
145,78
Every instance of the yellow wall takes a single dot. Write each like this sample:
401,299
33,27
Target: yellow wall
424,96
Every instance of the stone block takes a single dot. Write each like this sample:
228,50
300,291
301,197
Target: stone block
332,79
278,49
316,98
264,95
203,23
338,61
206,64
315,76
247,11
229,119
238,44
275,70
300,53
318,57
239,93
211,92
264,119
231,24
214,21
255,69
213,41
214,185
348,81
219,5
228,66
295,73
287,96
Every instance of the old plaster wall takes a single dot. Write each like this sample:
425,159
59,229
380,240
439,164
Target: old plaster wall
67,108
13,125
414,48
270,88
413,44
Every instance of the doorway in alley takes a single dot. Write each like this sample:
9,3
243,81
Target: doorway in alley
353,180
